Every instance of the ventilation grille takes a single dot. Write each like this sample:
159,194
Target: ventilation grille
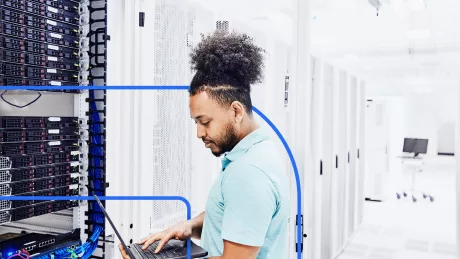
5,190
5,163
172,140
222,26
5,217
5,205
5,177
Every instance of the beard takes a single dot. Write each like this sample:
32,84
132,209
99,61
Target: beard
226,142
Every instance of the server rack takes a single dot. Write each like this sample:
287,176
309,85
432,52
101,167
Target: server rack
43,152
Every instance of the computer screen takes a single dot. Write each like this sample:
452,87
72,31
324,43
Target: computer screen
421,146
416,146
409,145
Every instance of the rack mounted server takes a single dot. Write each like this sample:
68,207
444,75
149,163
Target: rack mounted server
53,43
39,157
37,244
40,43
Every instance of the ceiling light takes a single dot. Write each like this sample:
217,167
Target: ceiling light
418,34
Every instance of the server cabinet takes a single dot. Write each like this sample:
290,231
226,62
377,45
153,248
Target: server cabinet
316,152
351,156
335,173
326,162
360,155
342,156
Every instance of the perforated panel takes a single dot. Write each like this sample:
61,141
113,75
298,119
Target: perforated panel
5,177
5,205
5,217
5,190
222,25
172,138
5,163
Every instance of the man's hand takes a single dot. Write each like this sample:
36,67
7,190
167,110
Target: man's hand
124,254
181,231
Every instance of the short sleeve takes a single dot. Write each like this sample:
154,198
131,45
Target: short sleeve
250,203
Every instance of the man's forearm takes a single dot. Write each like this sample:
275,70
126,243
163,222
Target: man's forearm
197,225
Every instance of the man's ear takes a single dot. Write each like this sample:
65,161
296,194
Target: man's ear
238,110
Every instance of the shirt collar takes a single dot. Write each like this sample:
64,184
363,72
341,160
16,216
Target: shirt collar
244,145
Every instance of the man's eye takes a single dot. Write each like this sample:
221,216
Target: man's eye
205,123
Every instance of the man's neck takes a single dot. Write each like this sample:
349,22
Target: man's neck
248,128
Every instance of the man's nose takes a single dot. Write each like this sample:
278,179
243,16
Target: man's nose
200,133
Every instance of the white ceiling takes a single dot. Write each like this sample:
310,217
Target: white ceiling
350,35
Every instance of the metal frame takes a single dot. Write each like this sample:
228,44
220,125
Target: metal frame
316,150
457,154
67,220
335,245
97,55
80,109
361,155
300,122
361,147
18,227
327,162
342,156
351,155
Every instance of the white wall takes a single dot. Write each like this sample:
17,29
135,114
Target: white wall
431,116
446,114
420,119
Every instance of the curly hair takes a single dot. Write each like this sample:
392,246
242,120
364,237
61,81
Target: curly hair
226,65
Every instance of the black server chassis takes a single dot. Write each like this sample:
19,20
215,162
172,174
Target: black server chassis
43,152
39,42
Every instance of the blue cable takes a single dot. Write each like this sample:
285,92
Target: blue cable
96,173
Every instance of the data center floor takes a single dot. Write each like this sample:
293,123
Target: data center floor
402,229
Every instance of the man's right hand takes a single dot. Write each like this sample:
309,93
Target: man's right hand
181,231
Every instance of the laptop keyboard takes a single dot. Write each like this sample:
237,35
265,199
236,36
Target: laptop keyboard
149,253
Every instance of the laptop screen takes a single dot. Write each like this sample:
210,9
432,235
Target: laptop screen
114,228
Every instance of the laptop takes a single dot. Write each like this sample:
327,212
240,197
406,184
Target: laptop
174,249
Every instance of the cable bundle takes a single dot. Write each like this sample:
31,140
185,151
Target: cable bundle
96,173
23,254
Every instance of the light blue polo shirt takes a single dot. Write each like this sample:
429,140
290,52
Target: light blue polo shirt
249,201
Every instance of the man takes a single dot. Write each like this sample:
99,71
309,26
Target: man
246,215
